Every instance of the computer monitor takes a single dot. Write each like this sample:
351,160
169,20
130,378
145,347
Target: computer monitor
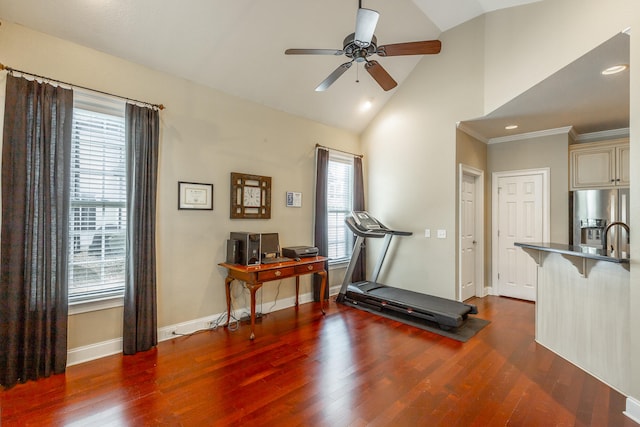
269,245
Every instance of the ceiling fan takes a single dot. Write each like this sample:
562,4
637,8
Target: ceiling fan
359,46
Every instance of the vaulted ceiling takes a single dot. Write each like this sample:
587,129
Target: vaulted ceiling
238,46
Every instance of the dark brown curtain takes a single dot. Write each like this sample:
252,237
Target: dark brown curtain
321,233
140,310
35,217
360,271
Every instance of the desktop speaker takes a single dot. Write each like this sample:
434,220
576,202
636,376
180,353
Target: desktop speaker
233,249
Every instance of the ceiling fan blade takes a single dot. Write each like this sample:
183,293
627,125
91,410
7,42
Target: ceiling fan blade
426,47
366,22
313,52
380,75
333,77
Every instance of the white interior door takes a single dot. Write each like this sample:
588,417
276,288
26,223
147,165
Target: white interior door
521,212
470,232
468,240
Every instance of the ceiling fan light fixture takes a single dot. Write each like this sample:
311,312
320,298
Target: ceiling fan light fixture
361,44
366,105
614,69
366,22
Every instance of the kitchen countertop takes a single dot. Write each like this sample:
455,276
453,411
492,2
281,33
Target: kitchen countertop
578,251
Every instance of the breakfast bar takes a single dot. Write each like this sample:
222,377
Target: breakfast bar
582,308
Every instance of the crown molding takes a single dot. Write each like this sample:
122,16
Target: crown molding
573,134
569,130
529,135
603,135
462,127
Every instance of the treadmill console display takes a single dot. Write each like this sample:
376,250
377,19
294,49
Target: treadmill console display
365,221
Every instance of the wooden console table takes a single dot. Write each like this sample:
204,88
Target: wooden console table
254,276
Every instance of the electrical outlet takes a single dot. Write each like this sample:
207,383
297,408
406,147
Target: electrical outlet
442,234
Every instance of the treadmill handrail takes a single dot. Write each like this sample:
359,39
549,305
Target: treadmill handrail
381,232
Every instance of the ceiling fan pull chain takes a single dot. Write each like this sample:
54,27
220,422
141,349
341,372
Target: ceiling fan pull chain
357,73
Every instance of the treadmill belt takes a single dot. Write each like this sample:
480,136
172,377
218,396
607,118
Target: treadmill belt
446,312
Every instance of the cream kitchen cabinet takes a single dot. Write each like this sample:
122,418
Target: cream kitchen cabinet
599,164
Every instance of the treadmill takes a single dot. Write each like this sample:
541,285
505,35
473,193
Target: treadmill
400,304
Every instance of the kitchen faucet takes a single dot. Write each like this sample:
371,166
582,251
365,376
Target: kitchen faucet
606,231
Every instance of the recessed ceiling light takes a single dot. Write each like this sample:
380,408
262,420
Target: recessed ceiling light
615,69
511,127
366,105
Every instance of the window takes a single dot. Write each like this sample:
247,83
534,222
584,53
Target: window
98,199
339,205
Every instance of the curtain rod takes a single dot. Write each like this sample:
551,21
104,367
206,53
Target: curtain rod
340,151
13,70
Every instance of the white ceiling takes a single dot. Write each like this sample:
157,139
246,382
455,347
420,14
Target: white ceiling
238,46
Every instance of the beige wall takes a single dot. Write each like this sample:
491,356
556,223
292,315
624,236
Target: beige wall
205,135
411,152
470,151
410,148
520,47
525,45
535,153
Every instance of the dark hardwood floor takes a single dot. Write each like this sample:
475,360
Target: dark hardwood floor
347,368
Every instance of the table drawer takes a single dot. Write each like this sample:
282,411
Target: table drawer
280,273
309,268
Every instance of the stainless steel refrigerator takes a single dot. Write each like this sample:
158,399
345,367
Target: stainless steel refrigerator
594,210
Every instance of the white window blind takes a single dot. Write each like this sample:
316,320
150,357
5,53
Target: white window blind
339,205
97,223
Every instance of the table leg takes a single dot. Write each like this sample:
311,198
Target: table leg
323,286
297,288
227,287
253,289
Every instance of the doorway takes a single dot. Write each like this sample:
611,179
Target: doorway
521,213
471,232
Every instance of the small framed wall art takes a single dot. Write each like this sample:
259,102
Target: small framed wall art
294,199
194,195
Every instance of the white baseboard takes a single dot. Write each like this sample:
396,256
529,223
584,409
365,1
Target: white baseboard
107,348
490,290
633,409
93,351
